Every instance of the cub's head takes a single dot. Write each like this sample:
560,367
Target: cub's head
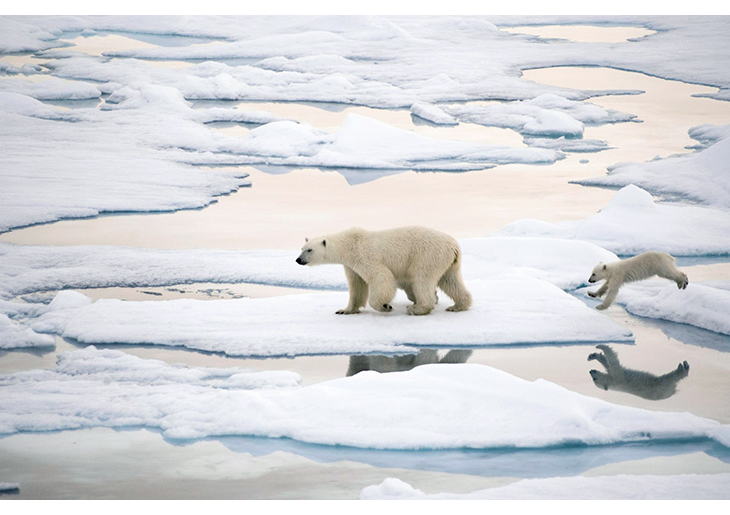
599,273
314,252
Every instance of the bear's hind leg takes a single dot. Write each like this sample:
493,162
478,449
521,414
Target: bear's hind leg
453,285
425,292
675,275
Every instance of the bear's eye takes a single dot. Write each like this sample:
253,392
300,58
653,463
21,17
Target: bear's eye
309,250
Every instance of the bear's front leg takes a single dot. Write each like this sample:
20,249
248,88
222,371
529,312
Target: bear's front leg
382,290
358,293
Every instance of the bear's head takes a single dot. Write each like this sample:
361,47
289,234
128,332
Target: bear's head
314,252
599,273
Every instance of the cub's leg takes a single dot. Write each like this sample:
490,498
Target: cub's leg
675,275
610,297
358,293
599,292
598,356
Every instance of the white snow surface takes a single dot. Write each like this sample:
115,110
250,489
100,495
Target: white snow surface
90,161
442,406
51,89
633,223
701,176
433,114
505,311
16,336
699,305
619,487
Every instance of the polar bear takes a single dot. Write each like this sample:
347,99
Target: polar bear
635,382
633,269
415,259
385,364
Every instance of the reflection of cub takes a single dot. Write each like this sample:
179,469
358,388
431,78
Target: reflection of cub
633,269
635,382
401,363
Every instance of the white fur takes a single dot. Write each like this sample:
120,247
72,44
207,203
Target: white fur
633,269
635,382
415,259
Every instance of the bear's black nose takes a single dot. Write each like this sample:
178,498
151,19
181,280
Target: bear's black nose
299,261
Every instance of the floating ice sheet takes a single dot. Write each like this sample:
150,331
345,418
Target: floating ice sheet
505,312
701,176
622,486
699,305
633,223
430,407
17,336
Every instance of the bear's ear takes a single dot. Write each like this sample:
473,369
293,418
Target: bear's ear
604,267
306,239
324,243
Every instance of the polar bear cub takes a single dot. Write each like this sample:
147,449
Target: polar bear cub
415,259
633,269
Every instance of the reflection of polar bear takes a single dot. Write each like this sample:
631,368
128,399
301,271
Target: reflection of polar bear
633,269
414,259
385,364
636,382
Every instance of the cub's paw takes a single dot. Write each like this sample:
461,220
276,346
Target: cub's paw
386,308
602,307
347,311
592,294
684,283
592,356
683,367
456,308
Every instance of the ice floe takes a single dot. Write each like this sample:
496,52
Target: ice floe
633,223
433,114
619,487
75,171
505,312
51,89
700,176
17,336
6,486
699,305
439,406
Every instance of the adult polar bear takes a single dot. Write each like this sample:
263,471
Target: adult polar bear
415,259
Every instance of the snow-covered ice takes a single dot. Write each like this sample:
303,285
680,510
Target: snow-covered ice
51,89
433,114
700,176
440,406
633,223
505,311
16,336
622,486
699,305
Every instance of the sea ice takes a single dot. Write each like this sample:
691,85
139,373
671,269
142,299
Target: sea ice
699,305
633,223
701,176
438,406
51,89
622,486
515,310
16,336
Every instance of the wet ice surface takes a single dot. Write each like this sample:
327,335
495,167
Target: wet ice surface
275,214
